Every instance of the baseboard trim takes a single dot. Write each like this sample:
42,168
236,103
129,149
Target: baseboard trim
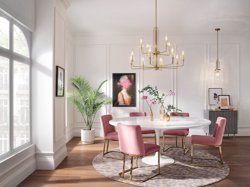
18,167
49,161
69,134
243,131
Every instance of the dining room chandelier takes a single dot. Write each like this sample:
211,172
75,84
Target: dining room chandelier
217,65
151,57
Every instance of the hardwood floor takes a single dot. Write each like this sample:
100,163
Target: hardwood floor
77,171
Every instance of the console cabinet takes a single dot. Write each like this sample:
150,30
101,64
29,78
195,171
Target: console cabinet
231,116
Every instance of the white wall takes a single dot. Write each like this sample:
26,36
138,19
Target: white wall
49,133
69,67
97,57
42,72
22,10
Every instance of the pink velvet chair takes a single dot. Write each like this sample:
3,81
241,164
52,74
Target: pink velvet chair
213,140
109,132
177,133
134,147
144,131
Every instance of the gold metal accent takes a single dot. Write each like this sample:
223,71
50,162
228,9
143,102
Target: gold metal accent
183,145
153,55
130,177
217,66
106,151
220,152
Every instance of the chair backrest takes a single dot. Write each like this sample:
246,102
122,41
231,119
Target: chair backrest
107,128
134,114
183,114
130,139
219,129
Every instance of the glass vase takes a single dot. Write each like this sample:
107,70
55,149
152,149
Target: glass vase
162,113
151,116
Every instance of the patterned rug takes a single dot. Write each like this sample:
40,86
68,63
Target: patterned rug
182,173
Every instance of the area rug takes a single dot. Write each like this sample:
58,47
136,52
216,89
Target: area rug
182,173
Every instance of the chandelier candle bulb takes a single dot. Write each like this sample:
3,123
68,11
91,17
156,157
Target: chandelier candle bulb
166,41
177,59
161,62
141,42
182,55
132,57
172,52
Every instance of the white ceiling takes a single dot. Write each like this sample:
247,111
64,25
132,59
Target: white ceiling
136,17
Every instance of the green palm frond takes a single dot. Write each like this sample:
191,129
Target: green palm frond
86,99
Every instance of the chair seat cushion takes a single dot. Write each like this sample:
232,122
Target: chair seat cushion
147,131
112,136
150,148
177,132
204,140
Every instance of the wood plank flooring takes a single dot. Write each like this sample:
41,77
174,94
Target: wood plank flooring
77,171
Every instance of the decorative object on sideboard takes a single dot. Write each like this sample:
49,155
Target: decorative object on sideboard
217,65
224,102
213,94
124,89
59,81
154,56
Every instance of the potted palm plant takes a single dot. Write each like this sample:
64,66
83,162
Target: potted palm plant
87,101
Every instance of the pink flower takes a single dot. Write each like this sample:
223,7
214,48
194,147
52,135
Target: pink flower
144,97
171,93
153,101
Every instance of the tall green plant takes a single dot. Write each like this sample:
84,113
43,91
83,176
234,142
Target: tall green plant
86,99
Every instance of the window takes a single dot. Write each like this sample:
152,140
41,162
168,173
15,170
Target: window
15,127
20,42
4,32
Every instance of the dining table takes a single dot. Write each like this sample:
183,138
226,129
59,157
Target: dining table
175,122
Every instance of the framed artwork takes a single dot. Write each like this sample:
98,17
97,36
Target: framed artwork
224,102
124,90
59,81
213,94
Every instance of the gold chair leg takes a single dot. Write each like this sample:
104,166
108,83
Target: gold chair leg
123,167
104,147
192,152
136,162
159,164
131,167
221,155
155,139
163,141
107,145
176,145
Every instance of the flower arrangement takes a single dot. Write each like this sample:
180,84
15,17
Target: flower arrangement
159,97
149,102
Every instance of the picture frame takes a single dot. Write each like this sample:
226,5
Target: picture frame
213,94
224,102
60,76
124,89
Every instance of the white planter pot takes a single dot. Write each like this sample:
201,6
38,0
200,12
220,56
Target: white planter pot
88,136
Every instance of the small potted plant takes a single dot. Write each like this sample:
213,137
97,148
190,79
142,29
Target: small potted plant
87,101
